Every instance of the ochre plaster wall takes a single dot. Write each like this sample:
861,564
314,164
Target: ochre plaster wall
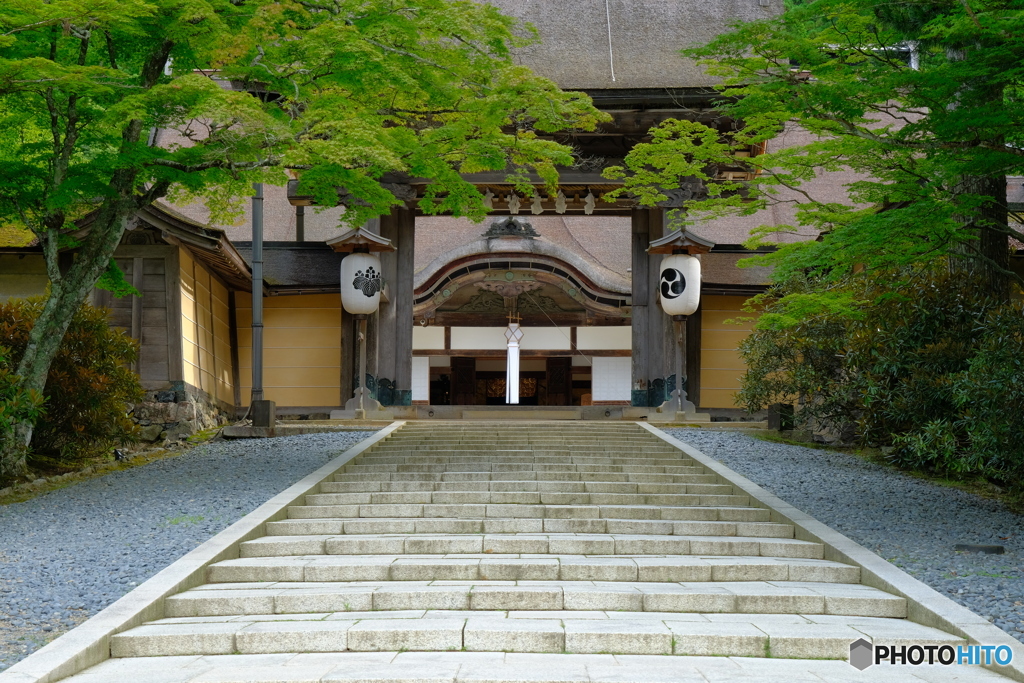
720,364
205,332
301,349
22,276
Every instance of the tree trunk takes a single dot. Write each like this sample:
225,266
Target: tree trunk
987,257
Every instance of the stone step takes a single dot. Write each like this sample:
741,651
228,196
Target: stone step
518,442
519,461
640,513
561,487
602,477
517,467
693,634
499,426
501,498
747,597
500,667
523,441
464,506
432,564
396,542
544,455
571,458
502,525
597,446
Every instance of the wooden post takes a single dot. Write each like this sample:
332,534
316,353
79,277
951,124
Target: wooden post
257,294
349,356
361,410
653,341
404,292
680,356
263,411
387,314
394,333
640,288
693,325
661,342
137,283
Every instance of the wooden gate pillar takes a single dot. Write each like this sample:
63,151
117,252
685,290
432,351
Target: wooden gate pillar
652,373
394,328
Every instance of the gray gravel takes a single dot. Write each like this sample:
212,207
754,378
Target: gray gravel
68,554
912,523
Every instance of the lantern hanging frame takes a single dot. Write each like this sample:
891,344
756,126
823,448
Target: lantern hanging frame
363,276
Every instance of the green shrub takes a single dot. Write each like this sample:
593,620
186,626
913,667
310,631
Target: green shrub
925,366
990,393
88,388
803,362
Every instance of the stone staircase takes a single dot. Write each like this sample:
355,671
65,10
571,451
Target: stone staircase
494,552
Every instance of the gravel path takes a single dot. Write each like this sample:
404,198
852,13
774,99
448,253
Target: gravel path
912,523
68,554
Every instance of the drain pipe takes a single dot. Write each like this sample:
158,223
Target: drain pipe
262,410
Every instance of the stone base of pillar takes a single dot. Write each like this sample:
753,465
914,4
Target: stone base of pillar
678,409
263,414
370,409
677,404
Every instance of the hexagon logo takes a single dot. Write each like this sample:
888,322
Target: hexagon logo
862,654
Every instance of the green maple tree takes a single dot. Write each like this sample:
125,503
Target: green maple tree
925,100
347,91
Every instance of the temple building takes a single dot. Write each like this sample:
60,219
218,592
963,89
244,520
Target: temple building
573,268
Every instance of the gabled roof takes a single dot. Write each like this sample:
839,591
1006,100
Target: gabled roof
207,244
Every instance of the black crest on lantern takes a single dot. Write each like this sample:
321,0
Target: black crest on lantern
672,283
368,282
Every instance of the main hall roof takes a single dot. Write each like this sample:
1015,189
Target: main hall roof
584,43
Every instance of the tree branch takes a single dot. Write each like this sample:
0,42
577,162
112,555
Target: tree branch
217,163
111,50
155,192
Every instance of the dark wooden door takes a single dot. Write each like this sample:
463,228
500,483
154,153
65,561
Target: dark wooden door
463,381
559,382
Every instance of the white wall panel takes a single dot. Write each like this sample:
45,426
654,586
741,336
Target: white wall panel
612,380
545,338
427,338
493,338
479,338
605,338
420,378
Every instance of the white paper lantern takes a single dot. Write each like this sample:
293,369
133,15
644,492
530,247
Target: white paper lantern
361,283
679,284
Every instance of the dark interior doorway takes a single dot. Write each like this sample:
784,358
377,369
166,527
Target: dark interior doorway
464,385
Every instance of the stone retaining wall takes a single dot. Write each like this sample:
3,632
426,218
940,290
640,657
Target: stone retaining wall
175,414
